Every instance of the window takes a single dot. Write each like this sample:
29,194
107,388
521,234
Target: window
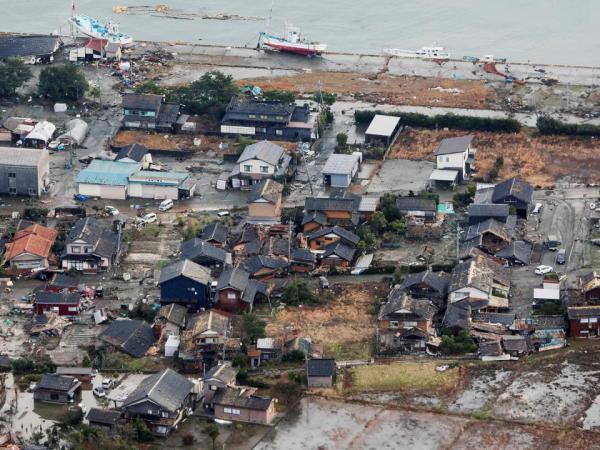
261,130
593,320
279,117
75,249
149,411
410,324
235,411
231,411
31,191
87,249
264,169
12,175
213,387
165,414
584,320
161,429
279,132
251,116
72,308
393,324
231,296
12,191
247,168
447,159
263,116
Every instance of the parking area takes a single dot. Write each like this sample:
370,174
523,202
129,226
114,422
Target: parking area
399,176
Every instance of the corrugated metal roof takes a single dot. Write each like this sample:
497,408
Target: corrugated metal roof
21,156
115,173
383,125
153,177
339,164
443,175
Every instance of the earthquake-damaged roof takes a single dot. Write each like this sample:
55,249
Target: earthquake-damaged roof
267,189
314,216
489,226
345,235
324,367
223,372
167,389
303,255
480,272
488,210
514,187
204,321
505,319
236,397
435,281
20,46
173,313
198,248
458,315
135,152
458,144
264,151
133,337
589,281
103,416
340,250
544,322
518,250
399,302
256,263
515,344
582,312
186,268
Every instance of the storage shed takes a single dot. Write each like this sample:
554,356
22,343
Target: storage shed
41,135
75,134
106,179
160,185
382,130
340,169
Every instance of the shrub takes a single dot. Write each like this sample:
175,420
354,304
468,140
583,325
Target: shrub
293,356
452,121
461,343
253,326
549,126
342,140
298,293
279,96
187,439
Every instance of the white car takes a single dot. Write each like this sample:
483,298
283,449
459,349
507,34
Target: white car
542,270
149,218
99,392
107,383
111,210
592,206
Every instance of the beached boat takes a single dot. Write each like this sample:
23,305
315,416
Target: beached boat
423,53
92,28
292,42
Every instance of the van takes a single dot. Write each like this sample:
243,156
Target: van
552,243
561,256
165,205
537,209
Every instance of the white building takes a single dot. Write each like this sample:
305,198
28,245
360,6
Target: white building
258,161
454,157
340,169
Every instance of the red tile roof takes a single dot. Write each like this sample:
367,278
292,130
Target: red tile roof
34,239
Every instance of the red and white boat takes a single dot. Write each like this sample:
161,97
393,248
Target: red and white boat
293,42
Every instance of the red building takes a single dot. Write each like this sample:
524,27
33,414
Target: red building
584,321
61,303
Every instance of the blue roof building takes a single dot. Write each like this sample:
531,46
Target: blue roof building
106,179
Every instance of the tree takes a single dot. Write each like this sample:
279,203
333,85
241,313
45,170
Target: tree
398,226
95,92
212,91
342,140
143,433
298,293
279,96
62,82
378,223
148,87
461,343
212,431
387,204
325,98
13,73
254,327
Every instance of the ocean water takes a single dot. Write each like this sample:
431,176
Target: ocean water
548,31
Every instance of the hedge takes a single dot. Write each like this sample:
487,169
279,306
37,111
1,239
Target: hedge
468,123
549,126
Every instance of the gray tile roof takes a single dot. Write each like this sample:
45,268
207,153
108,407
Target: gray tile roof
399,302
89,230
142,101
254,264
542,322
134,337
215,231
329,204
416,204
345,235
230,396
489,226
324,367
236,278
578,312
314,216
506,319
223,372
514,187
167,389
519,250
489,210
173,313
264,150
340,164
267,189
198,248
28,45
56,382
103,416
57,298
303,255
186,268
457,315
454,145
339,249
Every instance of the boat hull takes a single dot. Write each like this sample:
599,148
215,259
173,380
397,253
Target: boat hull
299,49
92,29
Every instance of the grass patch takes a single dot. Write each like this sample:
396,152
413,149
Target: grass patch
121,361
150,230
480,414
350,350
408,377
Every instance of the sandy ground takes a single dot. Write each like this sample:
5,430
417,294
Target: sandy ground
540,160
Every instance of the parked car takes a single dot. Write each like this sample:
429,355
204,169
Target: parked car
81,197
324,283
223,213
595,242
98,391
561,256
537,209
111,210
149,218
107,383
542,270
165,205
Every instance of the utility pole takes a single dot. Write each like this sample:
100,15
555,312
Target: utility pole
457,241
307,171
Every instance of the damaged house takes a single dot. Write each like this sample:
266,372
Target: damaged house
236,291
405,324
514,192
427,284
328,212
204,339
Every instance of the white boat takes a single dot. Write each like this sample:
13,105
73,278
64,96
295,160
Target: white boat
423,53
291,42
92,28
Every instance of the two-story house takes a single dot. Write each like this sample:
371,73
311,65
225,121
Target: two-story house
589,288
148,111
264,203
185,283
454,158
221,376
405,323
90,247
258,161
268,120
203,253
203,340
516,193
162,400
236,291
326,211
319,239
